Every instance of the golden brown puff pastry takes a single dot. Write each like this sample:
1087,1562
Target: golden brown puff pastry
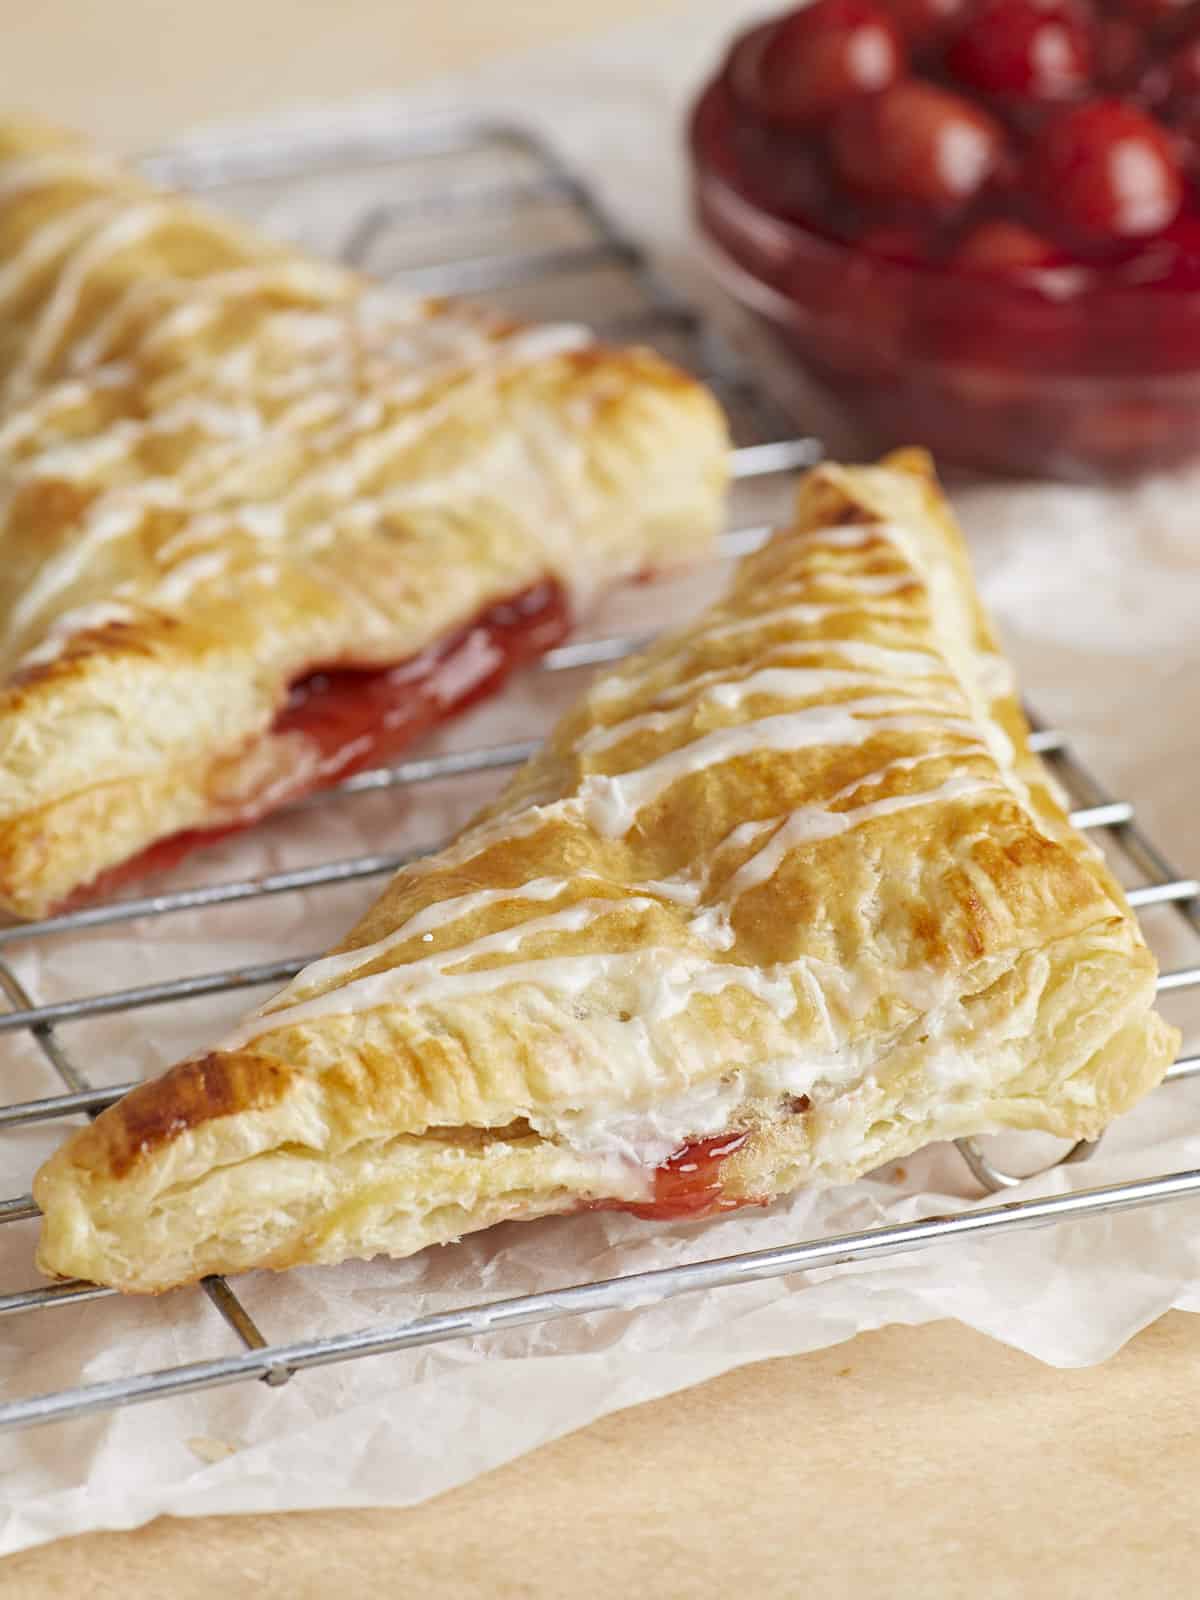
784,898
226,470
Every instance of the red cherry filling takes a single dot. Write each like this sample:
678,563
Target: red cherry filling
918,145
1185,132
1178,257
1108,171
350,718
782,175
1003,246
1118,53
894,244
742,69
924,23
1183,72
1153,13
688,1184
811,62
1036,48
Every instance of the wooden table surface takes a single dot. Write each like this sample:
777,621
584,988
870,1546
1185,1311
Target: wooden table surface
923,1461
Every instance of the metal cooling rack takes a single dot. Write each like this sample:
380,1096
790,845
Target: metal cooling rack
391,204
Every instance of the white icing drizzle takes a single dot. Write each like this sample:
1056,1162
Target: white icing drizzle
43,168
67,395
316,359
111,518
869,582
345,459
881,661
53,239
649,1135
612,802
76,461
198,302
127,227
681,890
995,676
665,977
852,536
652,986
728,694
812,823
882,658
441,914
63,629
805,613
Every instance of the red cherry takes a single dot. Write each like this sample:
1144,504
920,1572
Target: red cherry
1182,240
741,66
1118,53
895,244
1108,171
1037,48
1153,13
916,144
781,173
1185,132
1183,70
924,22
827,53
1001,246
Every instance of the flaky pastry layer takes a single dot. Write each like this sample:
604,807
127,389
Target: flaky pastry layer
791,878
223,466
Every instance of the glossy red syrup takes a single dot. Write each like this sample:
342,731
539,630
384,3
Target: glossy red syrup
364,717
688,1184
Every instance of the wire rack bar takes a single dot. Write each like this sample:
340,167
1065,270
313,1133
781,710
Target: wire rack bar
215,894
1181,1071
50,1106
154,994
1138,848
488,274
1158,894
457,764
471,201
312,152
764,460
633,1291
1181,978
216,1288
21,1002
53,1294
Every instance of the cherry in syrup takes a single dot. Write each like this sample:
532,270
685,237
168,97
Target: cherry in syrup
798,72
917,145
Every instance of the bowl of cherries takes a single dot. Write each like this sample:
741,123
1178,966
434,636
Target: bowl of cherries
976,221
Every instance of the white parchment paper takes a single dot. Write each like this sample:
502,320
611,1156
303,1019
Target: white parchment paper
1097,594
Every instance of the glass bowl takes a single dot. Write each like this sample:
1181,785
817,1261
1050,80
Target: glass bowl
1061,373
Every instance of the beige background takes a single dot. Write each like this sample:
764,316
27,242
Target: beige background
135,71
910,1461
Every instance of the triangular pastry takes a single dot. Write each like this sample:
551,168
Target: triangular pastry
782,899
261,524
